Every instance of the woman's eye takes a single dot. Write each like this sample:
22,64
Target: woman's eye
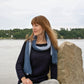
36,25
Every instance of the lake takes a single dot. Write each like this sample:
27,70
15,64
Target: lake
9,52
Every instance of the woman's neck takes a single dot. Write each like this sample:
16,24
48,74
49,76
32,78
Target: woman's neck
41,39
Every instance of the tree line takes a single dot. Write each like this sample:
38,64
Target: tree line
63,33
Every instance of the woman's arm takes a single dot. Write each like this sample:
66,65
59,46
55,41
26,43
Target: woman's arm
53,70
20,63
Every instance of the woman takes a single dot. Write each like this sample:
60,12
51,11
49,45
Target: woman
39,52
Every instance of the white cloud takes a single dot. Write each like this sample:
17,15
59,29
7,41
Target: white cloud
61,13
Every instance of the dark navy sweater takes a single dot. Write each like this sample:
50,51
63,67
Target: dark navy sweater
40,62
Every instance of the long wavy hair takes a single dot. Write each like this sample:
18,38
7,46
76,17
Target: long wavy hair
45,24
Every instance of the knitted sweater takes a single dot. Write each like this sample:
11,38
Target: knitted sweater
40,62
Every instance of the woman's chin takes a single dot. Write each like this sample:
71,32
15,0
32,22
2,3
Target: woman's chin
35,34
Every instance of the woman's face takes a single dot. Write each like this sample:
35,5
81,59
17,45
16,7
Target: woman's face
37,29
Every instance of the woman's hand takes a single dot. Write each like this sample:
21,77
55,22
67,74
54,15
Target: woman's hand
29,81
26,81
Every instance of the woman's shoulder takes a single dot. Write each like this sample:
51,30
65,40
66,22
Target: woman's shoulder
26,42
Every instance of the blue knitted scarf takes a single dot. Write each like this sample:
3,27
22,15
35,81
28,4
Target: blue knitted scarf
53,52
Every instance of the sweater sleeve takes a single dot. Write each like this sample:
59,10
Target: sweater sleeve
53,70
20,63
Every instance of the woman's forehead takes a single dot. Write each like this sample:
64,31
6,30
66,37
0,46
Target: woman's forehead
35,23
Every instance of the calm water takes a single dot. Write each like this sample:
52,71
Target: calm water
9,51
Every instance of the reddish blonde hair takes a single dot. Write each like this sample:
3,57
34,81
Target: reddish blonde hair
45,24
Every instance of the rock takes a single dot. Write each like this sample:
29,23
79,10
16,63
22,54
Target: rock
83,76
70,64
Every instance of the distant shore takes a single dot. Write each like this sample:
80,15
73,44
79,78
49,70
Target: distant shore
63,33
25,38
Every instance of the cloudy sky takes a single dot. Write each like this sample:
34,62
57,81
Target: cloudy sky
60,13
